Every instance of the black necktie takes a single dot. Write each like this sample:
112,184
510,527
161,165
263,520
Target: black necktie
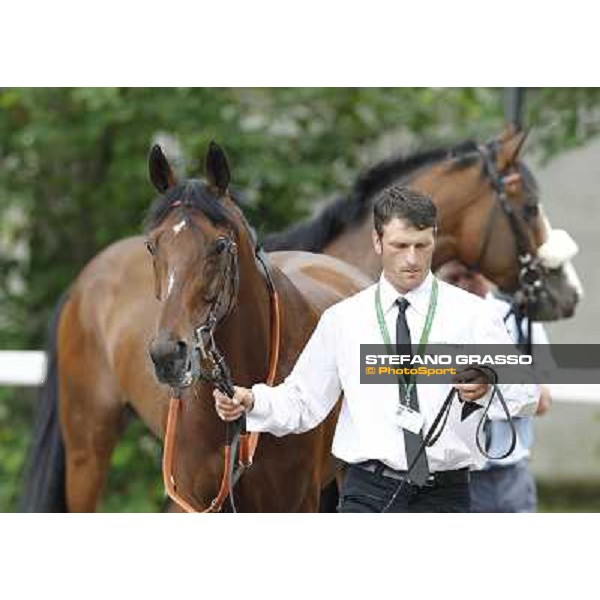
412,441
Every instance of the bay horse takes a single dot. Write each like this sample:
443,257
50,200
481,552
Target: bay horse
124,338
488,205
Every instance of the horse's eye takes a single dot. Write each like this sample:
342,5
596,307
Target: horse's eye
531,211
221,245
151,248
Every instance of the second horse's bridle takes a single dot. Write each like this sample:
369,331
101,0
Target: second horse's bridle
530,268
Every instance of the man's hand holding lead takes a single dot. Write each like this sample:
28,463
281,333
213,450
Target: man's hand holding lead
230,409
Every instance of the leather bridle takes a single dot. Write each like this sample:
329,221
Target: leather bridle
530,269
239,444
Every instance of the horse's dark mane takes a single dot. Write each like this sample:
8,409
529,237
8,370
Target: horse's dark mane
313,235
193,194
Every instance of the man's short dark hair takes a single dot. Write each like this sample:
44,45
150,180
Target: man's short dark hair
401,202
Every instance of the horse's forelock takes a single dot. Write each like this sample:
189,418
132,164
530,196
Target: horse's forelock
194,195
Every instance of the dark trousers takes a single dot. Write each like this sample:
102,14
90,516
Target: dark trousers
504,489
364,491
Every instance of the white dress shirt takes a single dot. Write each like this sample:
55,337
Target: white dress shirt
367,428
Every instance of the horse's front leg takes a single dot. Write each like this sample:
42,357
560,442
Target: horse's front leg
91,425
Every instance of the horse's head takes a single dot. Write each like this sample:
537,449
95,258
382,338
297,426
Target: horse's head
504,233
195,236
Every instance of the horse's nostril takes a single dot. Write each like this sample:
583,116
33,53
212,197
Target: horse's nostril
154,354
171,355
171,360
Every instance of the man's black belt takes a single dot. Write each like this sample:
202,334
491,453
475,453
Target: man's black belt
437,479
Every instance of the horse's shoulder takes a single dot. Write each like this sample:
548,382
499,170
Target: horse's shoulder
119,252
118,267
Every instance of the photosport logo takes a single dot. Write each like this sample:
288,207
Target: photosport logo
426,371
445,363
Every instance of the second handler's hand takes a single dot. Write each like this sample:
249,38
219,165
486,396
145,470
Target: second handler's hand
230,409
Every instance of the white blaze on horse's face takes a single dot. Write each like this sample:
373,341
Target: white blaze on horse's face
177,228
171,282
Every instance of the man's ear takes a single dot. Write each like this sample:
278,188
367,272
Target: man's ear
377,243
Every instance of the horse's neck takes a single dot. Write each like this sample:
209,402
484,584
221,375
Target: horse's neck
247,338
452,193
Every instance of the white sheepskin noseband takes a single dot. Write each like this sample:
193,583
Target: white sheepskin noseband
559,248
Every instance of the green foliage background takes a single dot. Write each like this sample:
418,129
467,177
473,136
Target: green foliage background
73,178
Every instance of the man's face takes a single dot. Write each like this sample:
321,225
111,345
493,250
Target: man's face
405,252
455,273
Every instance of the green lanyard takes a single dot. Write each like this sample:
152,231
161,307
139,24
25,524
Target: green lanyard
385,334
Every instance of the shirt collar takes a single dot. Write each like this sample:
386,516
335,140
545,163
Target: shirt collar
418,298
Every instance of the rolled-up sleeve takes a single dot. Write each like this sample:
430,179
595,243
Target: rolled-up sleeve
308,394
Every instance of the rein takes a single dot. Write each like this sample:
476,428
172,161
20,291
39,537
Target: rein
437,427
236,436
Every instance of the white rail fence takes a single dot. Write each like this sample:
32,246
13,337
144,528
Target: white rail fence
22,368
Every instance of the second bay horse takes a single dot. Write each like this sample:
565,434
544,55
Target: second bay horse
474,187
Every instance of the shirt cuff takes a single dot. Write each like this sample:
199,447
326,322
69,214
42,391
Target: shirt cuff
257,417
533,392
524,407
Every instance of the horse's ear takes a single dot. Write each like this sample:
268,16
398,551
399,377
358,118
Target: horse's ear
217,169
512,142
161,174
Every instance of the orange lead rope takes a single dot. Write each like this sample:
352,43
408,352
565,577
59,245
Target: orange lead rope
248,441
169,456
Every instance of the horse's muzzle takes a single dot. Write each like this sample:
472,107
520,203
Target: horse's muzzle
171,362
562,291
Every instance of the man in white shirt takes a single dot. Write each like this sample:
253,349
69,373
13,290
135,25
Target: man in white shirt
374,433
505,485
